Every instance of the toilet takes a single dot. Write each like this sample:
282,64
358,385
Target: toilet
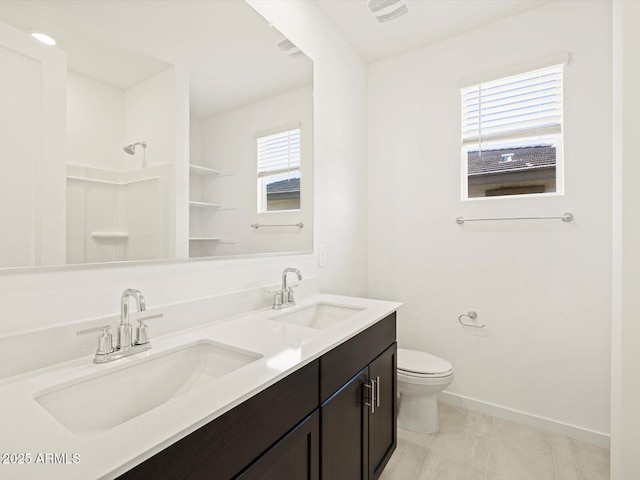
420,377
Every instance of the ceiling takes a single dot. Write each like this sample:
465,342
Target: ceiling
229,50
428,21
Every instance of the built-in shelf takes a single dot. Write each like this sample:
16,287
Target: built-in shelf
193,203
88,173
110,182
110,235
203,171
205,239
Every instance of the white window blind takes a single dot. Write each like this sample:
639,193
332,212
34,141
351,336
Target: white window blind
525,105
279,153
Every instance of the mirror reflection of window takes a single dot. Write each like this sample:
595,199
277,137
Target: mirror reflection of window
195,94
278,157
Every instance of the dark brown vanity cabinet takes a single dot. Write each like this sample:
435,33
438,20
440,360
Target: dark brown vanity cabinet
358,422
332,419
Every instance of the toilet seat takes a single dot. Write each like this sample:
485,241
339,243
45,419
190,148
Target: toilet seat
425,375
417,364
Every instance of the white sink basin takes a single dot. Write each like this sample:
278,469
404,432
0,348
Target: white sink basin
90,406
319,315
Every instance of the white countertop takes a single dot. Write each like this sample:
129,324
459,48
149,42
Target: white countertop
26,427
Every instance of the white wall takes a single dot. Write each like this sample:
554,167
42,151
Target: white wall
93,206
154,112
95,124
149,111
625,398
543,288
340,123
230,146
95,116
32,126
43,298
196,142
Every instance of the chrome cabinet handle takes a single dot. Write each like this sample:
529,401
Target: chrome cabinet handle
374,401
370,384
373,397
374,388
366,401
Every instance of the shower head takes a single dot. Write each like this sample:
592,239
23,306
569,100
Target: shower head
131,149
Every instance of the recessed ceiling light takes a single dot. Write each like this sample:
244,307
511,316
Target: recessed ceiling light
44,38
385,10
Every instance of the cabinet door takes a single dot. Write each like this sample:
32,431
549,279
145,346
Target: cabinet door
295,457
382,423
344,430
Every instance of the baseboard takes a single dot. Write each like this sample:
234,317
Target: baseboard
596,438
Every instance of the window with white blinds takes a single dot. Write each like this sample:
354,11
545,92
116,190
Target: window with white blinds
279,156
523,105
279,153
512,135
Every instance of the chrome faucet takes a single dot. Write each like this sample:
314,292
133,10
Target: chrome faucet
124,346
284,297
124,329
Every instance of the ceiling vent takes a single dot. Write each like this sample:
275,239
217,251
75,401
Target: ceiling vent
288,47
385,10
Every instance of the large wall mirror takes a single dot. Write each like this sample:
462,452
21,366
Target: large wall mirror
152,130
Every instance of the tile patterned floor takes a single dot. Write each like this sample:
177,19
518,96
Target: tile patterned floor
475,446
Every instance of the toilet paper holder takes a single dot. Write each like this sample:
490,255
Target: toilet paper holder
472,316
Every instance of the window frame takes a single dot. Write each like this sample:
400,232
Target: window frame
536,134
264,175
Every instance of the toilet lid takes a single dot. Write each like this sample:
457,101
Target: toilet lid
421,362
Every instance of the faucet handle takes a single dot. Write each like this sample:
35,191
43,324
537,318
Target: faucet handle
105,342
141,330
289,294
277,298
